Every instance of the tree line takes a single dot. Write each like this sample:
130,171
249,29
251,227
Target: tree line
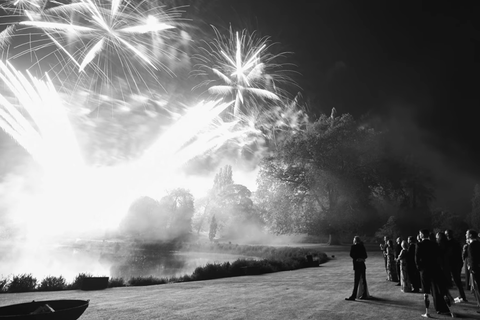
337,176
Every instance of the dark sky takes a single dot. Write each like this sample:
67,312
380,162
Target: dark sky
415,64
362,56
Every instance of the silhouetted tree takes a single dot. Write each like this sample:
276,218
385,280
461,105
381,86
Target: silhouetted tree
320,180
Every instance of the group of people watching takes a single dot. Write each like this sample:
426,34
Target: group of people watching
429,263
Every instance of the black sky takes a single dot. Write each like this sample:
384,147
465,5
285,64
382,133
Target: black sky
415,64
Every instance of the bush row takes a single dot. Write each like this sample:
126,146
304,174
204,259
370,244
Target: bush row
273,260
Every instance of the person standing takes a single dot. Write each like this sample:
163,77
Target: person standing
358,253
383,247
403,260
391,263
398,249
474,261
455,262
468,283
412,268
428,264
442,242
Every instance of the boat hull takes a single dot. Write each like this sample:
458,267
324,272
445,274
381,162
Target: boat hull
63,310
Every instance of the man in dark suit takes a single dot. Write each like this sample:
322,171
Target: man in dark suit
427,260
411,267
358,255
455,261
474,261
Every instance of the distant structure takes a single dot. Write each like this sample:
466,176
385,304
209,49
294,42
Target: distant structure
334,113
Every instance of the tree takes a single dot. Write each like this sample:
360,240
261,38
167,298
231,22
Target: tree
406,190
321,178
389,229
179,204
222,179
213,228
236,214
146,220
443,220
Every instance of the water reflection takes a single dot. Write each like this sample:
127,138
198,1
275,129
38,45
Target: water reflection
116,259
168,264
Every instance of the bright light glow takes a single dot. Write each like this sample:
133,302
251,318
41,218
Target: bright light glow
76,197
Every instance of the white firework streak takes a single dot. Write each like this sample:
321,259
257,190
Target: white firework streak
76,197
112,26
49,129
110,38
18,7
240,62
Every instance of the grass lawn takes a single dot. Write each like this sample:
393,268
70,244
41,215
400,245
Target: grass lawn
312,293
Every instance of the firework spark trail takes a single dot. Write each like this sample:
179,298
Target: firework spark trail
196,133
242,63
18,7
91,38
39,136
75,197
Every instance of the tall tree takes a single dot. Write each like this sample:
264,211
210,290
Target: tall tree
222,180
145,220
179,203
324,175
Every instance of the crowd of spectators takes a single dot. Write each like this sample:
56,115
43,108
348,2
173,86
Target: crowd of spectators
432,263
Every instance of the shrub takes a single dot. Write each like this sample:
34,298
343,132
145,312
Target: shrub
116,282
146,281
3,283
184,278
212,271
22,283
52,284
78,281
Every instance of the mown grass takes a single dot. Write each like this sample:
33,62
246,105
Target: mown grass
269,259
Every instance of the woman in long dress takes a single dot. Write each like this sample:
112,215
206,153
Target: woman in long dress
405,282
391,263
362,292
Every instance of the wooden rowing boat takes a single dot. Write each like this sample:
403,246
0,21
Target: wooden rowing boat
44,310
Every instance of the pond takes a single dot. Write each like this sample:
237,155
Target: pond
168,264
105,258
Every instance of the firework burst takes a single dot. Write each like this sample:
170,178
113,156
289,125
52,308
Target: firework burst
41,125
33,114
18,7
244,67
118,46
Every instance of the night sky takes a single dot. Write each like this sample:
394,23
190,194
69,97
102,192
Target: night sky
413,64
